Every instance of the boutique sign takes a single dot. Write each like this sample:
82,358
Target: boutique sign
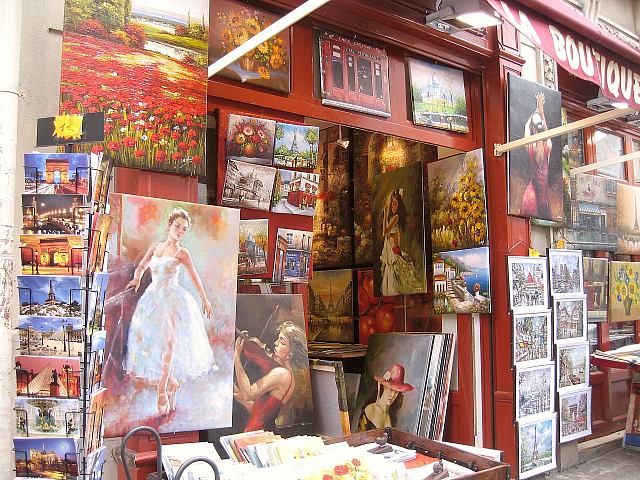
618,78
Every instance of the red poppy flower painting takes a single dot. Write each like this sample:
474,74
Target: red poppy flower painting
144,64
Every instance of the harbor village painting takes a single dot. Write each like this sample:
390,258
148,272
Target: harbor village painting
331,306
461,281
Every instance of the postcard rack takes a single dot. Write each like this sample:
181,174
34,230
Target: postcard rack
87,424
484,468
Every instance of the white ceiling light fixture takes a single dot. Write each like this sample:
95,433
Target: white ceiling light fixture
475,13
603,104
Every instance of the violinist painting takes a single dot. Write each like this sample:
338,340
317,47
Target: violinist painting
170,309
272,389
535,170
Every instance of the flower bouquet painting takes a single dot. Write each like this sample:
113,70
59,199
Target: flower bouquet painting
624,291
268,64
250,139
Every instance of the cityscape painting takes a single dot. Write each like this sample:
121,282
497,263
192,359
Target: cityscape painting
252,249
52,457
250,139
56,173
47,376
570,319
295,193
297,255
536,446
331,306
248,186
461,281
596,286
528,285
575,415
628,220
438,93
535,390
51,336
49,213
531,338
296,146
48,416
50,296
51,254
566,272
573,366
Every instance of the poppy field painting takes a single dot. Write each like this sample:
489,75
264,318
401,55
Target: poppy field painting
144,63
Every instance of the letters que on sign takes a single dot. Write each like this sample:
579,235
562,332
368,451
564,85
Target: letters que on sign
616,78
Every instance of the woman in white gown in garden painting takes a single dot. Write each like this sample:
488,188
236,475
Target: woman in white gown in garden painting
175,316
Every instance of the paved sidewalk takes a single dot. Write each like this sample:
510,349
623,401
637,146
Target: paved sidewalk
619,464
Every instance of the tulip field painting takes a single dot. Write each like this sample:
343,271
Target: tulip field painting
144,63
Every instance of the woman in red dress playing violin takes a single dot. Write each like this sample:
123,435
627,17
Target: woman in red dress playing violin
265,397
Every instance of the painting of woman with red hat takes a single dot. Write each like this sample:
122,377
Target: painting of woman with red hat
391,387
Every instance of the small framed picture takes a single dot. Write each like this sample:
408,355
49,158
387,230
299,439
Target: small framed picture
573,366
535,390
566,272
536,445
570,316
531,338
528,286
575,415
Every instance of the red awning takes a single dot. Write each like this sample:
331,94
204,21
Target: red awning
589,59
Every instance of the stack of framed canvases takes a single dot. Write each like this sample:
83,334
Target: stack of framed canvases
537,375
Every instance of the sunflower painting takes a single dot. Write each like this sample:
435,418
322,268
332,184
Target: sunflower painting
268,64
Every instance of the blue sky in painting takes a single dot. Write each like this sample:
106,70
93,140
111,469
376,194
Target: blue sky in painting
46,324
39,286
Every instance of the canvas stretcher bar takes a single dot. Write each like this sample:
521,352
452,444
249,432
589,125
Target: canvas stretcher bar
499,149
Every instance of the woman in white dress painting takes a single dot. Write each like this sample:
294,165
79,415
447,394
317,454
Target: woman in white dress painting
167,342
398,274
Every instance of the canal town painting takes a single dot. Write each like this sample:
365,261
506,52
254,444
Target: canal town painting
331,306
461,282
248,186
528,285
148,73
53,457
531,338
566,272
536,445
535,390
575,415
62,173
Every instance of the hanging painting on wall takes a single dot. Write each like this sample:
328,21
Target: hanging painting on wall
566,272
531,338
575,415
439,99
48,417
53,214
536,446
398,232
331,306
51,254
573,366
535,171
248,186
250,139
56,173
457,203
296,146
252,249
333,221
461,281
535,390
624,291
628,220
528,284
593,225
373,154
297,255
57,377
278,322
570,316
233,23
148,73
596,286
354,75
295,193
377,314
170,310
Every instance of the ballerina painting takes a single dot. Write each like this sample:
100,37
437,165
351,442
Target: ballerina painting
170,325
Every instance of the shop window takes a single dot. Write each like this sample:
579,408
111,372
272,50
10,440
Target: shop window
365,83
336,67
635,146
609,146
621,334
351,73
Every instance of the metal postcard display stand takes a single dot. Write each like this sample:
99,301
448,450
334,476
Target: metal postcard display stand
84,425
